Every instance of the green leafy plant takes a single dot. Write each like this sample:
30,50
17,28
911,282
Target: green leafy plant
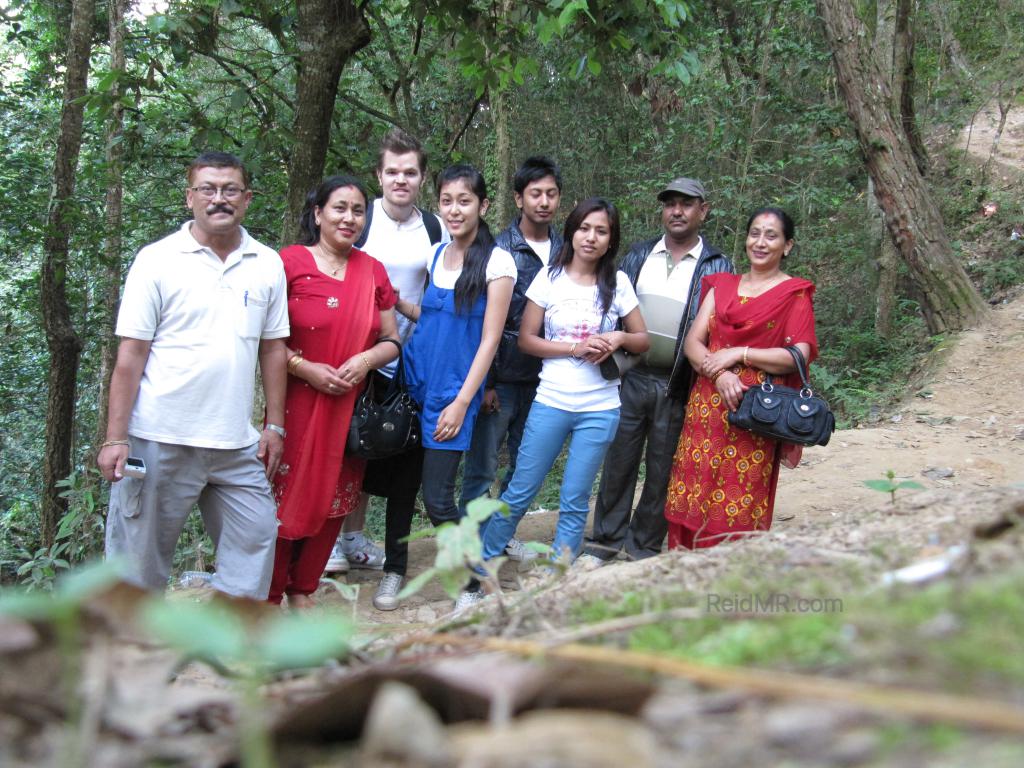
79,536
890,485
460,551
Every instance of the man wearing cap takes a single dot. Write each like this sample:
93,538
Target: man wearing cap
666,273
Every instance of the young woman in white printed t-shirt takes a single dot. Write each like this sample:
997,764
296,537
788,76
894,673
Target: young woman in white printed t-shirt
568,305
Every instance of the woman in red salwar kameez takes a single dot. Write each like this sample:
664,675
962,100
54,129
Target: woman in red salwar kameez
724,478
340,308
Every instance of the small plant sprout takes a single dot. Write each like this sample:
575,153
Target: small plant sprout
890,485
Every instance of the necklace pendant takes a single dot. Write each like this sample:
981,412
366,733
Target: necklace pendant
332,302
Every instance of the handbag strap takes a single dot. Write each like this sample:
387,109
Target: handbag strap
398,380
801,365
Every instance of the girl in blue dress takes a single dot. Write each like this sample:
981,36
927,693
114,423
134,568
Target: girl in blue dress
458,327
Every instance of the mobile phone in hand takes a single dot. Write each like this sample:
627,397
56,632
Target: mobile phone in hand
135,467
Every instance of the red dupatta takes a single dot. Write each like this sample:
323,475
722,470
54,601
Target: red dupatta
780,317
317,460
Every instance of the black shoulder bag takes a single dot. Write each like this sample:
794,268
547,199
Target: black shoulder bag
384,426
783,413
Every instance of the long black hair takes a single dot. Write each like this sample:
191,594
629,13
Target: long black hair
473,280
309,230
606,266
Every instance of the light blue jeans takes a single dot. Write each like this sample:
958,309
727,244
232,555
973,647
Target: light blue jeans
490,430
590,433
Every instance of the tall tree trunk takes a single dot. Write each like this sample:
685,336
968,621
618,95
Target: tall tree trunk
62,342
328,33
111,278
886,256
950,301
904,80
503,159
500,108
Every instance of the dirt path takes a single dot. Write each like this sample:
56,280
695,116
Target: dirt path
977,139
960,430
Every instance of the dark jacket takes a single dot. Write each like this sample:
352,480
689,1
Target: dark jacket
711,260
510,365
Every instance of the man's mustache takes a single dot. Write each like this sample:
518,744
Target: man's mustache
219,208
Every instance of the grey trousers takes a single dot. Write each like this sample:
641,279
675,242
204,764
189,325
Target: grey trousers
648,415
146,517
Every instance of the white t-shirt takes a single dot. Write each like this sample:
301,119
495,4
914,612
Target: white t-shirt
501,264
542,249
399,246
663,288
572,312
205,318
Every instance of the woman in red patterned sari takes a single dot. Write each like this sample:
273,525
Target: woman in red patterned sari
724,478
340,308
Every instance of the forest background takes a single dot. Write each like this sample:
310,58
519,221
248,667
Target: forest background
845,114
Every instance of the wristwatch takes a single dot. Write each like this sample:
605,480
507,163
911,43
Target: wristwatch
278,429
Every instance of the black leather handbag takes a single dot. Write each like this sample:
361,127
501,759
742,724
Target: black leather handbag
783,413
386,425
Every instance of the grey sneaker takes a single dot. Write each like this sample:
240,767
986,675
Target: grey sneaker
386,598
194,579
518,553
362,553
467,600
337,563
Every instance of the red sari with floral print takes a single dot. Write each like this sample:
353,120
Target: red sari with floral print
723,478
331,320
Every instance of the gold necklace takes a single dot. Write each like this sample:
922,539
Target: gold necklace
323,257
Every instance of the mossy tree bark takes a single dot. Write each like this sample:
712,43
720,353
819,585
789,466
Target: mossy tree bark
62,341
950,300
328,34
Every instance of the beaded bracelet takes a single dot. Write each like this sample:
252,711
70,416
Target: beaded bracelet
109,443
366,361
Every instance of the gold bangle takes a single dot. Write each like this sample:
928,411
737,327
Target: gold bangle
572,349
745,350
366,361
109,443
294,362
714,378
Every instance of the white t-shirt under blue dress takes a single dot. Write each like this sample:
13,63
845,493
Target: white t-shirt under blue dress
572,313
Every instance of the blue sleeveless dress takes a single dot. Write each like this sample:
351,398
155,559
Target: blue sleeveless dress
438,358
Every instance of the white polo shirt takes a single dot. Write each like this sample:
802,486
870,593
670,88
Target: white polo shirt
205,318
399,246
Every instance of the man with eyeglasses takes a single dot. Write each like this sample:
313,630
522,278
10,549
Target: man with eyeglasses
200,307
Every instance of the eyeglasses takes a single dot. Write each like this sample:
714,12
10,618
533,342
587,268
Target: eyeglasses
208,191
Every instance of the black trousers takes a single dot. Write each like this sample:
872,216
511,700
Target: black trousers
648,416
397,479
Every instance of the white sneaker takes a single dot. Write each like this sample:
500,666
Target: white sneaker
337,563
589,562
362,553
467,600
195,579
518,553
386,598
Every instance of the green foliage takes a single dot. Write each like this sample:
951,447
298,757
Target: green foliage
459,550
216,633
890,485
